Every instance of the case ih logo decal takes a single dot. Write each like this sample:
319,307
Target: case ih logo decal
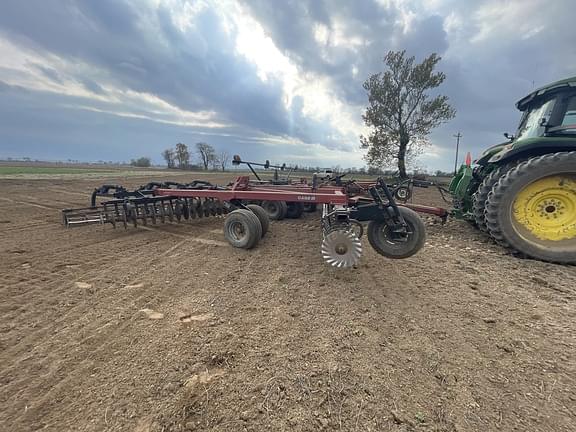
306,198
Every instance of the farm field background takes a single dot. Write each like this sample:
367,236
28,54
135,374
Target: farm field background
169,328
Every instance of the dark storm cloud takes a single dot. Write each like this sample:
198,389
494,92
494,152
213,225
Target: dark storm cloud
62,131
197,70
292,26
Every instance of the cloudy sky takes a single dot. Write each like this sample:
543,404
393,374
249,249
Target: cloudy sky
267,79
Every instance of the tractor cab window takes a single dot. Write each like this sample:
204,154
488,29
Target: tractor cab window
570,115
535,119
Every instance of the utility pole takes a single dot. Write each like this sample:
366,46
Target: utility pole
457,136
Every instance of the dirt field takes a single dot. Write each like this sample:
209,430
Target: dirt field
170,329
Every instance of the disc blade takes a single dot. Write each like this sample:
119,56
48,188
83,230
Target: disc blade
341,248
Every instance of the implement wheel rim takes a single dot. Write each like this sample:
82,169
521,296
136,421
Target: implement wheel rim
237,230
546,209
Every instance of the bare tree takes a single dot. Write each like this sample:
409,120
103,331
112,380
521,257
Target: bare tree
183,156
224,158
207,154
169,157
400,112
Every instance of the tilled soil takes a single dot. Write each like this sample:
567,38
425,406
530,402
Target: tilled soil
168,328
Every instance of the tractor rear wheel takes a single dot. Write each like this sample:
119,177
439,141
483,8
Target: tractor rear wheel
276,209
532,208
242,229
262,217
392,245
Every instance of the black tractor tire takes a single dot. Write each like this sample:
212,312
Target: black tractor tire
295,210
505,227
262,217
481,195
276,209
383,242
242,229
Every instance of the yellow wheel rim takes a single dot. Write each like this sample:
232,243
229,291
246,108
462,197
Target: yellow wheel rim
546,208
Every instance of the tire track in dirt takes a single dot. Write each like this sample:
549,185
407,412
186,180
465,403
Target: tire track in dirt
73,372
105,340
95,257
85,196
28,204
89,275
98,259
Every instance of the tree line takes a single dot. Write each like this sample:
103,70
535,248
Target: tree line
180,157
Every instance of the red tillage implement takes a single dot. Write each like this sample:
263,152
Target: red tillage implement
393,231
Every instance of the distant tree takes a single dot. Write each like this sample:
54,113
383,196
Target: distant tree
207,154
419,175
223,159
142,162
182,156
372,170
400,112
169,157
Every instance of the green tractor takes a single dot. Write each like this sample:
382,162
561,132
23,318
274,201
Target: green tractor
523,192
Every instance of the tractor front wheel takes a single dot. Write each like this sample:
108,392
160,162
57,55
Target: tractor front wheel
532,208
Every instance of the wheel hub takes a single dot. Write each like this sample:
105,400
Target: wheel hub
237,230
547,208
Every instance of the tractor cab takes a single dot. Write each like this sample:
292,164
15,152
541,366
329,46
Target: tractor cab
553,113
548,123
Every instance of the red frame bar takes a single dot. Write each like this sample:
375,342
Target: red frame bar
336,197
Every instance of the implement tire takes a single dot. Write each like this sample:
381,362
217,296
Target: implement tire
262,217
532,208
295,210
384,243
276,209
242,229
